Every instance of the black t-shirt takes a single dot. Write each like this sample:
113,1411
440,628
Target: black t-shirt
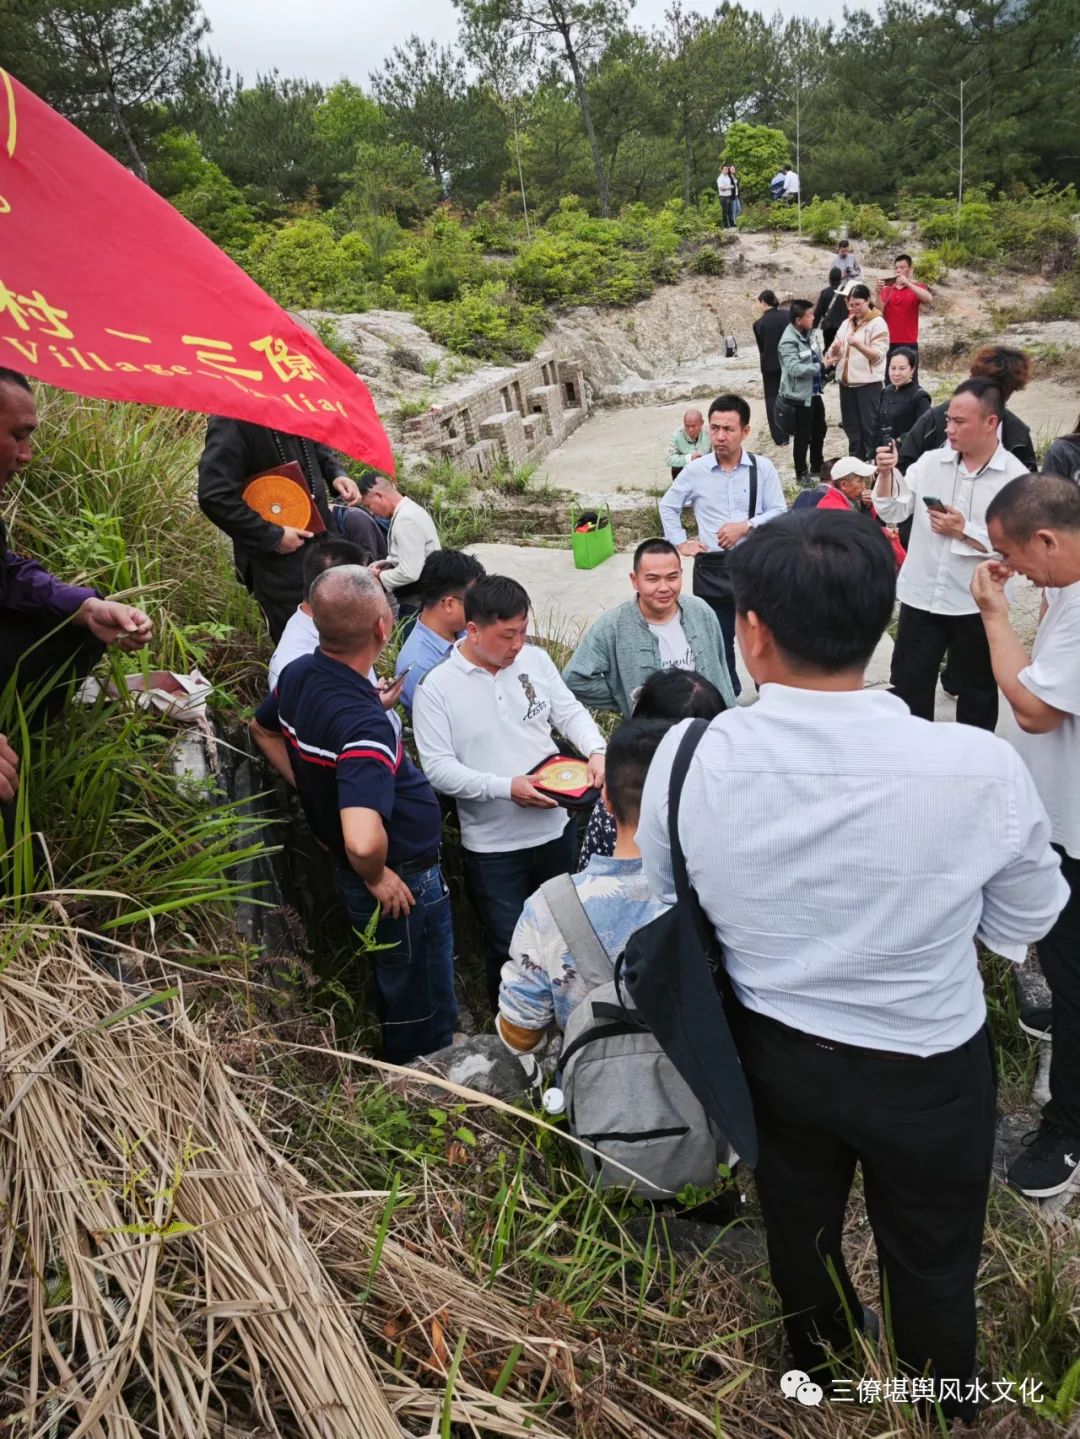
345,754
1063,458
900,408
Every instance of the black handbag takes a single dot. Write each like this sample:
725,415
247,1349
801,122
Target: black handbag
673,969
785,415
712,575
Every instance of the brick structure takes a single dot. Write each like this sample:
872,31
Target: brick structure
519,417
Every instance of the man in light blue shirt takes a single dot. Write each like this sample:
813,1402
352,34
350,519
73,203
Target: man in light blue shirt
718,488
445,577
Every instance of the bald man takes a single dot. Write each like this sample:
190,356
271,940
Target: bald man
325,731
688,444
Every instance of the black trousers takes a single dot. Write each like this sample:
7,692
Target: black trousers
44,655
922,639
922,1131
810,435
725,613
499,884
1059,955
859,407
771,385
727,211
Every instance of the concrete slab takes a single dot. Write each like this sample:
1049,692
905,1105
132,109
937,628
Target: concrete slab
566,600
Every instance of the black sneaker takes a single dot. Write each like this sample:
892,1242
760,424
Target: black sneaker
1036,1021
1047,1164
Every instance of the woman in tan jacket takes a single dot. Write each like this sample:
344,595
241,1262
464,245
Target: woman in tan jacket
858,352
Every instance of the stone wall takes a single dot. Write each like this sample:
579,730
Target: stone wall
519,417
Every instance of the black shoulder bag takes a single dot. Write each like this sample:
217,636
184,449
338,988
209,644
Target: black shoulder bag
712,577
673,970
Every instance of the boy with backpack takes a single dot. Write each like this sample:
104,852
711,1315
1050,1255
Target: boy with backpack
622,1094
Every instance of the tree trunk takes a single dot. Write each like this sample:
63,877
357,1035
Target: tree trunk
138,164
586,118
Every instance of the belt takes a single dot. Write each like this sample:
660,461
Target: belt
837,1045
419,865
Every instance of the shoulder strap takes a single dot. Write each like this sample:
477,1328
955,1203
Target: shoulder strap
575,926
684,893
753,486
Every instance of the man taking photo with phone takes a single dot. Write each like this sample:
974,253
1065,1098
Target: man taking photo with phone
947,491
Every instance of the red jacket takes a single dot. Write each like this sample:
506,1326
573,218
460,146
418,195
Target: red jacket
834,499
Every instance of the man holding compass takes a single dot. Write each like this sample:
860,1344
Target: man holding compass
483,721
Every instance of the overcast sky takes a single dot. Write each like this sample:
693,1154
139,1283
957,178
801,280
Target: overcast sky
326,39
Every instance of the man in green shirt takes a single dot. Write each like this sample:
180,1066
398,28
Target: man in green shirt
689,443
658,629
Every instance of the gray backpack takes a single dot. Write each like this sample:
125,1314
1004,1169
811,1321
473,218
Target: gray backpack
623,1095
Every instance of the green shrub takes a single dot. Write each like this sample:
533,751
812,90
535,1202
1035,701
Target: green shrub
580,260
707,261
1061,301
870,222
1031,231
757,152
930,268
964,235
304,266
823,220
490,322
437,280
768,216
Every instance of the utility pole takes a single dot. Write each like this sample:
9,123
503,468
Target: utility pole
798,146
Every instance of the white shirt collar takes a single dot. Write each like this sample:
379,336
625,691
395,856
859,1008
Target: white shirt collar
790,699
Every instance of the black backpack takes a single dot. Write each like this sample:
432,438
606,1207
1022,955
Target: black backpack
673,969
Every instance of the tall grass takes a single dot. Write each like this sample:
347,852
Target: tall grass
479,1281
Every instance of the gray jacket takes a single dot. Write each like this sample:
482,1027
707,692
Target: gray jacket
799,360
619,652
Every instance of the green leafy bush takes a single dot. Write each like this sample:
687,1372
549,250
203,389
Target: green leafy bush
579,260
304,266
824,221
707,261
757,152
491,322
437,280
930,267
1031,231
767,216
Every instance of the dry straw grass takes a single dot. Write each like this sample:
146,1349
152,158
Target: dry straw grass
167,1270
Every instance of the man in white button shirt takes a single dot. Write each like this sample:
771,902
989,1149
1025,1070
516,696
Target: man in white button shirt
880,846
947,491
718,487
411,538
1034,524
483,720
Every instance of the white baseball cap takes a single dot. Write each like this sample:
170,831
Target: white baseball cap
848,465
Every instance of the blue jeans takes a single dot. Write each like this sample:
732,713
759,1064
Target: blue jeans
499,885
414,976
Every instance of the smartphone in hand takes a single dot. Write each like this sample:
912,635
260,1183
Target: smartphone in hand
933,503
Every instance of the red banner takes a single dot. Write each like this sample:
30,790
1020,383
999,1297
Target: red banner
105,289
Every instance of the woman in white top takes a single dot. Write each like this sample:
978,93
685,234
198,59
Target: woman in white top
726,185
858,354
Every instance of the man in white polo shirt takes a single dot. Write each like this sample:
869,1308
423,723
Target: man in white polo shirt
858,1009
947,491
483,720
1034,524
